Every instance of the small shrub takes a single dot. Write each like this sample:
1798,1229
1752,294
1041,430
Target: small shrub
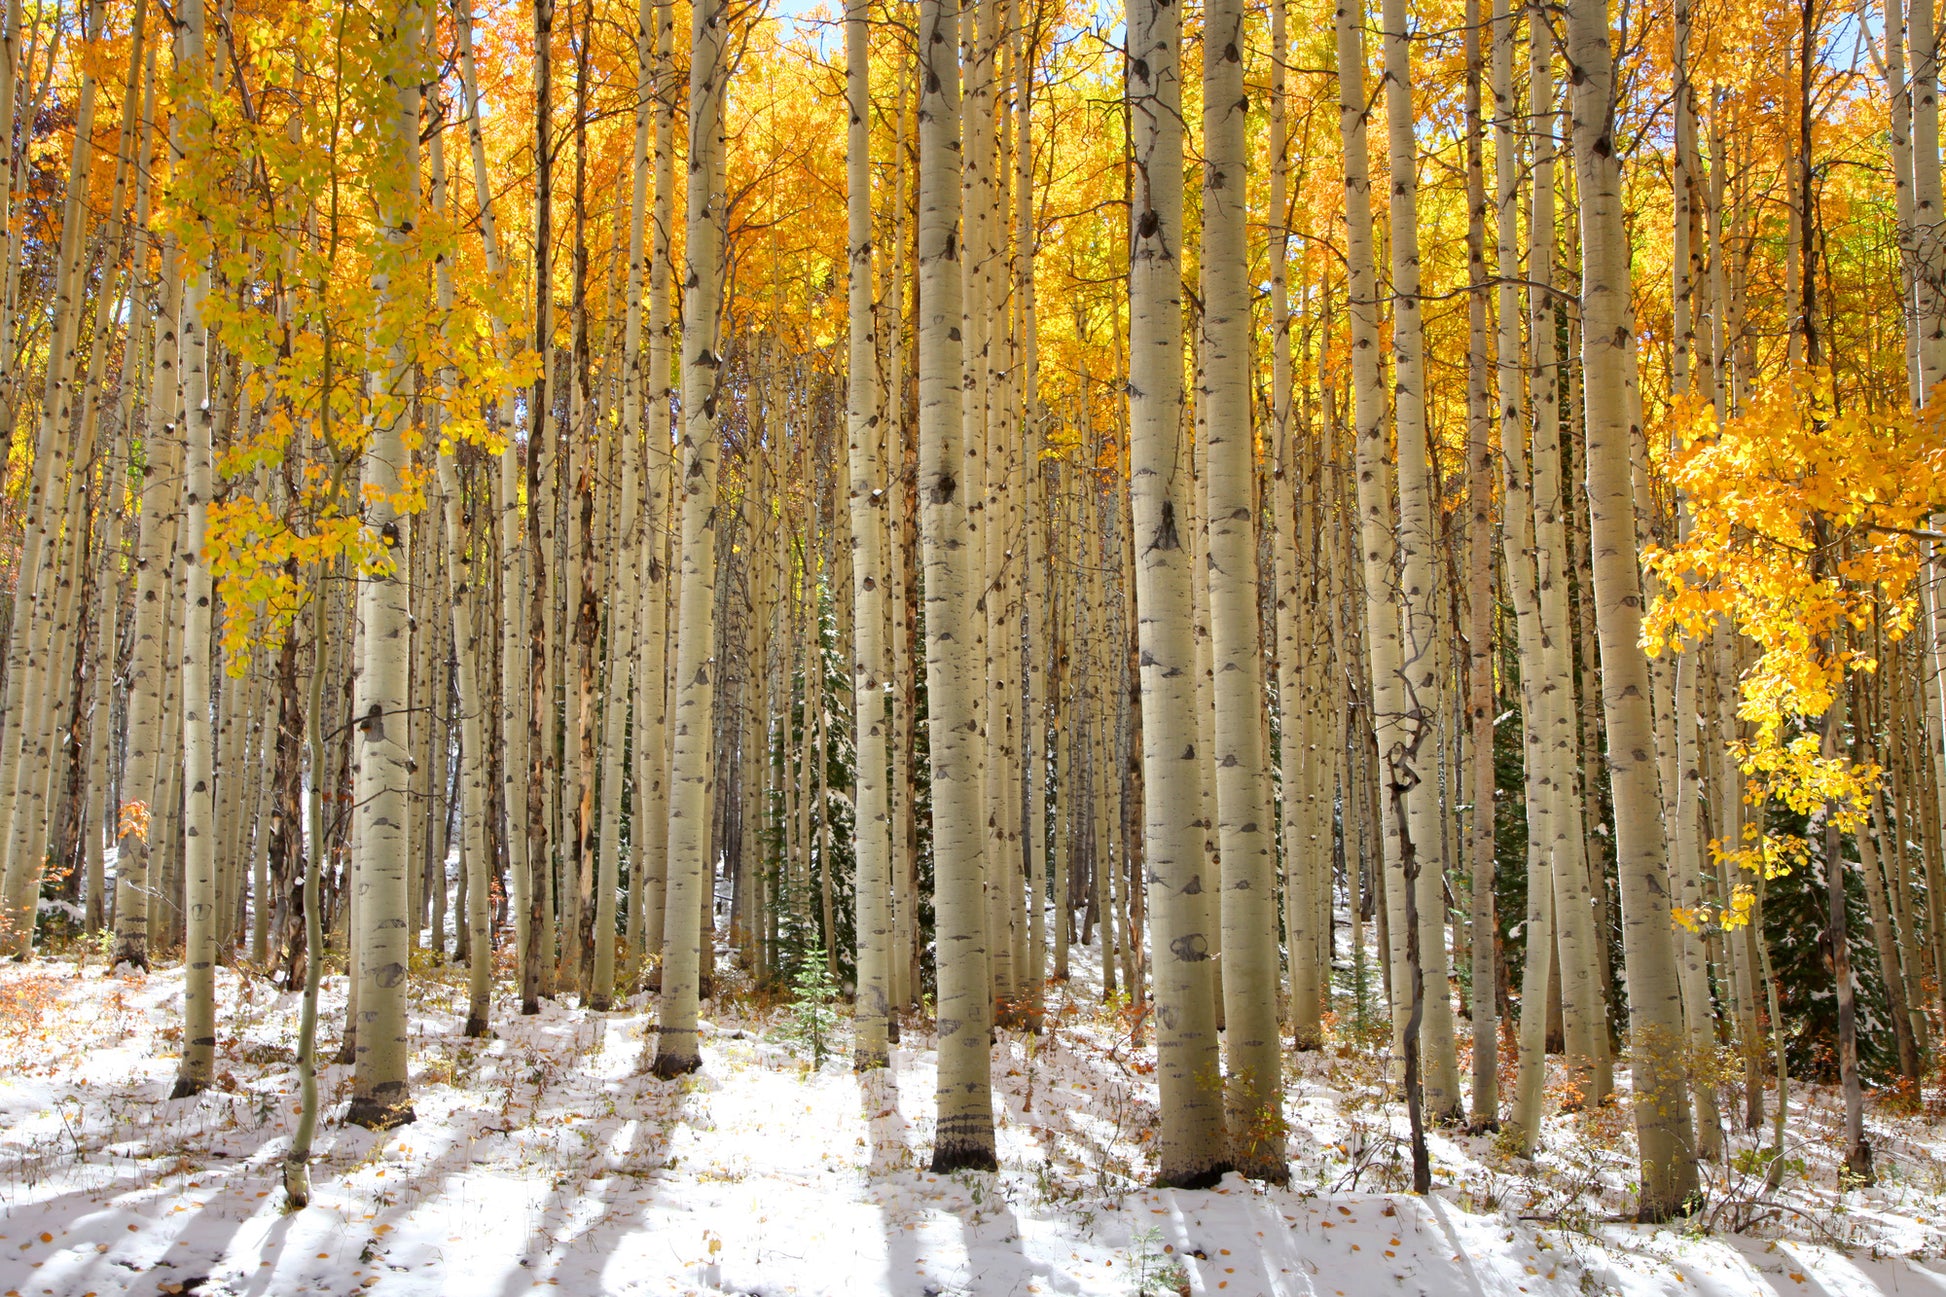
811,1021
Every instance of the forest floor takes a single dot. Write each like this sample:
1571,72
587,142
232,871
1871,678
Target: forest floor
545,1158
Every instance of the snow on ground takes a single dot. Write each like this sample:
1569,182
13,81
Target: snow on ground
544,1159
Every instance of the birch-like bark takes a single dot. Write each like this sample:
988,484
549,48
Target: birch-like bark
1412,753
27,740
1664,1135
1300,869
624,625
1377,539
692,765
1484,1113
1517,547
1246,845
964,1131
1557,769
198,1064
380,1094
1191,1150
648,898
1928,210
872,823
460,578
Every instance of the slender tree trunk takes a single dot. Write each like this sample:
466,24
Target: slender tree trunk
1579,938
1485,1110
1190,1153
1246,845
964,1132
467,651
692,766
380,1094
1518,553
1662,1115
1412,752
863,409
200,900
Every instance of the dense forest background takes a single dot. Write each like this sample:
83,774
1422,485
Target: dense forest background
1406,530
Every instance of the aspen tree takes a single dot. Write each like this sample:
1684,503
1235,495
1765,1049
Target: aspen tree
1929,241
650,808
978,20
28,740
872,823
1035,585
458,563
539,954
1576,933
1662,1115
1190,1153
1484,1113
1517,542
964,1130
691,868
1692,950
512,664
115,296
1299,874
624,625
200,893
297,1159
380,1094
1413,753
1247,849
1377,540
155,529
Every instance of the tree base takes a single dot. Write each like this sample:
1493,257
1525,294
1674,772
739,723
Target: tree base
600,1003
870,1060
376,1114
1308,1041
297,1185
1207,1178
947,1158
670,1064
1857,1172
476,1026
188,1087
528,1008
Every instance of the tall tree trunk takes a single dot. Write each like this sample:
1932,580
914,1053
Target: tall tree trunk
964,1132
458,562
200,899
380,1094
1190,1153
692,767
1662,1114
872,823
1581,942
1247,849
1518,552
1412,753
1485,1110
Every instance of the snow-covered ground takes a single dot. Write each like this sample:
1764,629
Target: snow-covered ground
545,1159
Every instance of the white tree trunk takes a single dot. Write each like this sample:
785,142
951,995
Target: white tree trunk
1191,1151
380,1094
1246,845
1663,1132
692,767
